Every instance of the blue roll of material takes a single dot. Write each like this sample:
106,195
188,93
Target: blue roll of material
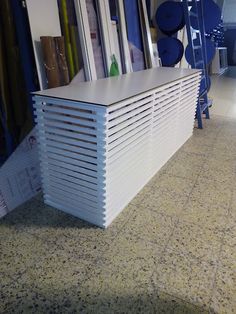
170,17
211,16
210,50
170,50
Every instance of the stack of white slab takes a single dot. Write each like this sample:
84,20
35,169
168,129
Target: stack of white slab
101,142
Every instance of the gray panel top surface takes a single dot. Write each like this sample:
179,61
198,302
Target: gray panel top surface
111,90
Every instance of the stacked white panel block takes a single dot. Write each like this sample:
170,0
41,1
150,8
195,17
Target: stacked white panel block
96,158
72,151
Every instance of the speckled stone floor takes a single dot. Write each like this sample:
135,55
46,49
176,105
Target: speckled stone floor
172,250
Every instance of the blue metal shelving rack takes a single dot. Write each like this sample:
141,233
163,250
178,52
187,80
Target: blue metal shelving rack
197,42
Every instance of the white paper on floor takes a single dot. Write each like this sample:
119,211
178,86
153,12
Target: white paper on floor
20,175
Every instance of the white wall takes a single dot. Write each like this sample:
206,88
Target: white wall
44,21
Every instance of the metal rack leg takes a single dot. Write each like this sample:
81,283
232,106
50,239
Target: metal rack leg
199,115
206,111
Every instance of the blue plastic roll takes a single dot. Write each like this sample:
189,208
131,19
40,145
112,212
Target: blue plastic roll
210,50
211,16
170,50
170,17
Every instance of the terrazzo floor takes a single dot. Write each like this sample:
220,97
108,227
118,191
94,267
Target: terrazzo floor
224,93
172,250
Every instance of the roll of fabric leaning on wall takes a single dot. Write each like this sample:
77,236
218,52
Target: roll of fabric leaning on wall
17,117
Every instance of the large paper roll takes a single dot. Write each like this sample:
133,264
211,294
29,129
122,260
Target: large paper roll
61,58
50,61
73,35
16,105
66,33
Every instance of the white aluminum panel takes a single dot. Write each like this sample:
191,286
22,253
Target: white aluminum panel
95,159
71,140
120,88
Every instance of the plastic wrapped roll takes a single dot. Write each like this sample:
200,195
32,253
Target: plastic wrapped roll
50,61
170,17
66,32
16,105
170,51
61,58
74,34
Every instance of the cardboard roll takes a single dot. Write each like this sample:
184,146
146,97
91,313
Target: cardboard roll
170,17
170,50
210,50
211,16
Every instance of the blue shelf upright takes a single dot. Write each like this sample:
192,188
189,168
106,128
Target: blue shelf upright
193,11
